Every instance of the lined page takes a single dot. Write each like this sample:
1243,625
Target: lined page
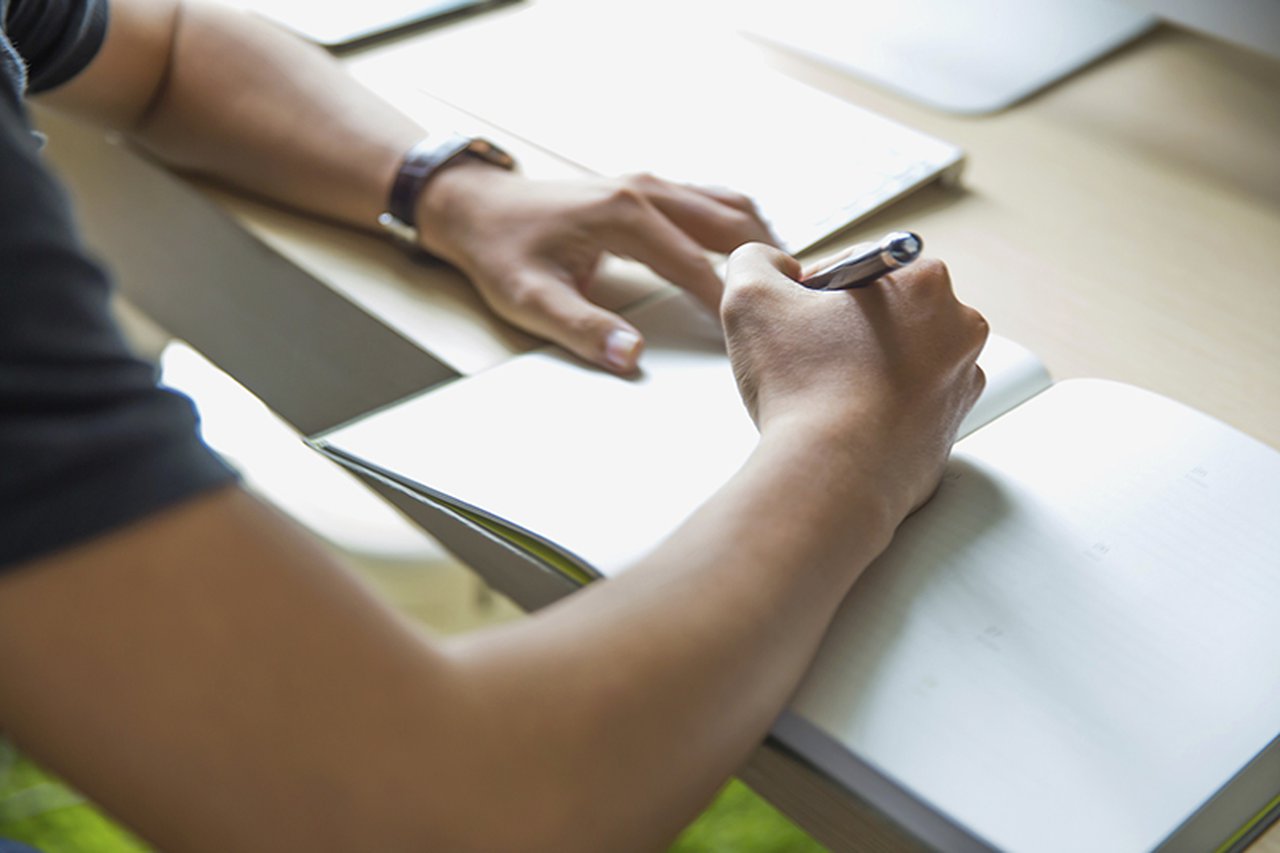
1078,640
606,467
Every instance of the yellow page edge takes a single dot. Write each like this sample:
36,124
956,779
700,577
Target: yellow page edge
533,546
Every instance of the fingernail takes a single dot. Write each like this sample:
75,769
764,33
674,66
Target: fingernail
621,348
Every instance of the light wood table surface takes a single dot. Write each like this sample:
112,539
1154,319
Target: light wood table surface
1124,224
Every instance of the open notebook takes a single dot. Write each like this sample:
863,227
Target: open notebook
1074,646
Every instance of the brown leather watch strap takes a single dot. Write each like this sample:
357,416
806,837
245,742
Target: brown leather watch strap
420,163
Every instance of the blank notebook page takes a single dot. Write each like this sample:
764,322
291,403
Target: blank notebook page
1078,641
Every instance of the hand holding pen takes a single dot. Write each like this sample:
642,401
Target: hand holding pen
894,251
890,373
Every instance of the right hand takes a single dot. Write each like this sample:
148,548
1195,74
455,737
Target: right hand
885,373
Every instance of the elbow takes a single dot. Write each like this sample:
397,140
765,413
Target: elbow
149,107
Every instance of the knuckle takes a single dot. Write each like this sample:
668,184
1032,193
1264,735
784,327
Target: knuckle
753,254
932,270
624,203
625,194
979,382
586,324
744,254
532,302
754,266
978,322
642,181
525,295
745,203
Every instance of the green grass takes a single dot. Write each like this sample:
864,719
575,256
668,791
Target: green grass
739,820
39,810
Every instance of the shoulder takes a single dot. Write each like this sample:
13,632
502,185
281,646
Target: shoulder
56,38
88,442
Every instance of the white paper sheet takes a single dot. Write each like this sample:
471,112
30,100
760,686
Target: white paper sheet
1076,642
606,467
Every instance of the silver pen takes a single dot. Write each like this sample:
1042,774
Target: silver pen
894,251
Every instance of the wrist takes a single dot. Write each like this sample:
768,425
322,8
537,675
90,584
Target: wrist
423,165
847,476
445,208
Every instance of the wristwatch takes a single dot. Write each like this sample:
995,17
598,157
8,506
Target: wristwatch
420,163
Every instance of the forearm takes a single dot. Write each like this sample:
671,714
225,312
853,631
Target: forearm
215,640
223,93
233,119
669,675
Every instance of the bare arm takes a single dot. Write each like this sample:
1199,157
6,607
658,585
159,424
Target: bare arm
222,93
252,696
217,91
219,683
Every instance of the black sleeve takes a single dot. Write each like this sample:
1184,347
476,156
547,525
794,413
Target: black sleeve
56,38
88,442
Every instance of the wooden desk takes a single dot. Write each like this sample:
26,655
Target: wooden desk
1125,224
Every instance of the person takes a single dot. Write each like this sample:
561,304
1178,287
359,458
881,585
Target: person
195,664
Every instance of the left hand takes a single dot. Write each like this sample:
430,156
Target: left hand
531,248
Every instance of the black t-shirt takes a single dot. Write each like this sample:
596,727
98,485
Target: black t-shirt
88,442
44,43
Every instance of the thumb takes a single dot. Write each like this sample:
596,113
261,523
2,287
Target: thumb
555,310
753,262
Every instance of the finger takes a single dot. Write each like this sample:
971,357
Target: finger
760,282
816,267
709,218
639,230
981,329
552,309
929,272
979,384
724,195
760,262
745,203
